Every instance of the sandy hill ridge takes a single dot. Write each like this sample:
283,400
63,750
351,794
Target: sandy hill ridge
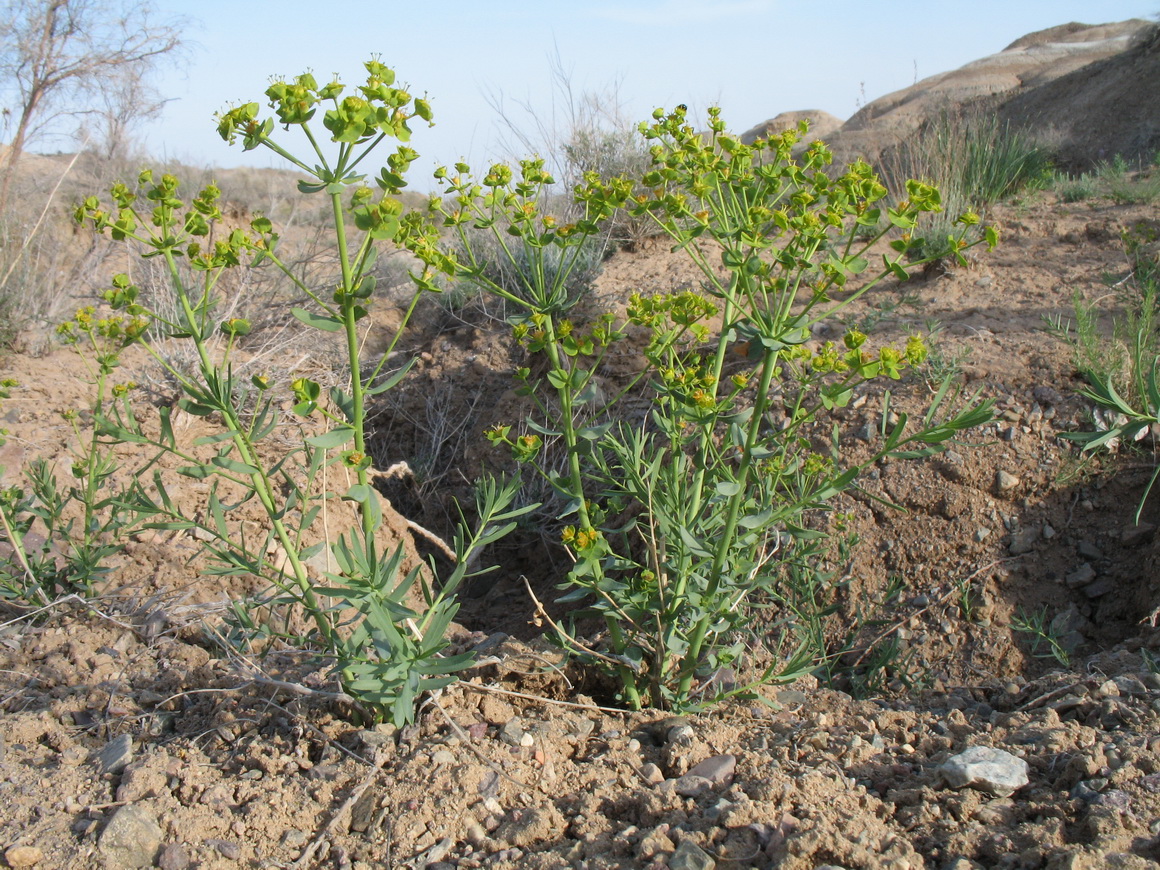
1088,92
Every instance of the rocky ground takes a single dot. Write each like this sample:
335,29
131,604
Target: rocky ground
129,738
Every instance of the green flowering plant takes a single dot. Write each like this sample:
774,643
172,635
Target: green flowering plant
78,525
679,522
386,648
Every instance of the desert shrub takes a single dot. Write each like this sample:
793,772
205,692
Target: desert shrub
494,261
43,263
582,133
718,499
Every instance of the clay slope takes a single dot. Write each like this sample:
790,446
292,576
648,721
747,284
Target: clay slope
1093,113
1086,89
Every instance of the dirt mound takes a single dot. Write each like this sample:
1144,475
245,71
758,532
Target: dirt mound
822,124
1105,108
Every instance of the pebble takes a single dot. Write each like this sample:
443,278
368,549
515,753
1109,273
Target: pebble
174,857
131,839
1089,550
1133,536
513,733
476,834
23,856
690,856
651,773
1023,540
987,769
1005,482
225,848
718,770
1081,576
442,757
1101,587
116,755
680,734
372,739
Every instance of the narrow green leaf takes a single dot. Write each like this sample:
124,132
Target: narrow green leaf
195,408
234,465
392,381
200,472
317,321
333,438
728,488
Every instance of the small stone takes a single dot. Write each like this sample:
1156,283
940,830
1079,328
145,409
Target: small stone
1081,576
1005,482
1088,550
512,732
294,839
690,856
1023,540
1133,536
651,773
1129,685
680,734
225,848
116,755
372,739
1048,532
981,534
792,698
361,814
131,838
174,857
581,728
1101,587
23,856
442,757
718,770
691,786
476,834
987,769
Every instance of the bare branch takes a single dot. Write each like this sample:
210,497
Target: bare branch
63,57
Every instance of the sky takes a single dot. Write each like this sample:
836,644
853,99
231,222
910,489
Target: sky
754,58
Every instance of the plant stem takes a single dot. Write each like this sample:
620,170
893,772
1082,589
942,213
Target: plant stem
725,542
576,480
258,479
357,404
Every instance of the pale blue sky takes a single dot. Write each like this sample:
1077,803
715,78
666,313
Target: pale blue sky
754,58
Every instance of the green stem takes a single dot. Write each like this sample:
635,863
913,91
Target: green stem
358,398
725,541
576,479
260,482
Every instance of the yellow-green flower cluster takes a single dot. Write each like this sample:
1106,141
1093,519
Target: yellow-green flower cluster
581,540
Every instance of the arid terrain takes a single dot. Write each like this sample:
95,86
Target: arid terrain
130,737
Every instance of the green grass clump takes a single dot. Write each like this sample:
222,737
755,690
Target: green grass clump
974,160
1121,365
